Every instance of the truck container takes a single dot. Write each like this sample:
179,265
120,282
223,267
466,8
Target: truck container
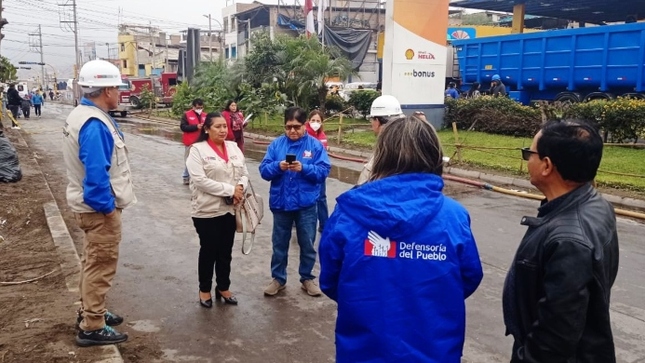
571,65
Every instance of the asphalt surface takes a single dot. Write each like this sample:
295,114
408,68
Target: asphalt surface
156,283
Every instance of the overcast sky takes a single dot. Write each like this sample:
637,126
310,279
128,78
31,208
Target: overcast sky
98,22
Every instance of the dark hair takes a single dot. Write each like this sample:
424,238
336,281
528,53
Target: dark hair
295,114
198,102
452,84
203,136
407,145
316,112
473,88
228,105
574,147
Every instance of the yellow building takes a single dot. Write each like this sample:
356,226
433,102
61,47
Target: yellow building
128,55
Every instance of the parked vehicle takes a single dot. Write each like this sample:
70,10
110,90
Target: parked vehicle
164,88
572,65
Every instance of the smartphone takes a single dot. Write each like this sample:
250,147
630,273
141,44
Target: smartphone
291,158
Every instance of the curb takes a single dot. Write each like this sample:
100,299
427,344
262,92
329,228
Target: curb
70,263
472,174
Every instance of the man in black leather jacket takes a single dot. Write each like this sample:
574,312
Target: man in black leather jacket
557,291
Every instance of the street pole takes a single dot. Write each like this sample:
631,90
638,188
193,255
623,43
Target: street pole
43,86
108,47
210,37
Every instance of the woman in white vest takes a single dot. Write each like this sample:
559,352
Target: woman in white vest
218,178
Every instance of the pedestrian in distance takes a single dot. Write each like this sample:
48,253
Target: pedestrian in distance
383,109
296,164
51,95
497,87
399,257
99,188
315,129
557,291
191,124
14,103
451,91
218,178
473,92
25,106
235,120
38,101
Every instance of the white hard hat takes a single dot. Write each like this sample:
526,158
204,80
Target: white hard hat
385,105
99,74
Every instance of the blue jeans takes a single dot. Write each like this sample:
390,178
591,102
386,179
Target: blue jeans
186,153
321,204
306,232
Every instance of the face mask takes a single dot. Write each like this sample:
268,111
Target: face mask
199,112
315,125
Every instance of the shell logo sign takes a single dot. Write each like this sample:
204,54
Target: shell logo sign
415,54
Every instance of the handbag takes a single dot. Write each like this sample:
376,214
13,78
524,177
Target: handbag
248,215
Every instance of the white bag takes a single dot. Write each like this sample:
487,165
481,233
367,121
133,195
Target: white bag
248,215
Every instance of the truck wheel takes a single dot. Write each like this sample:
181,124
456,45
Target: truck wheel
135,102
567,98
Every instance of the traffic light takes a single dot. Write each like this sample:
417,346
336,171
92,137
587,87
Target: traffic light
3,22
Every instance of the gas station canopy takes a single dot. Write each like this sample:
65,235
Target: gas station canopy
588,11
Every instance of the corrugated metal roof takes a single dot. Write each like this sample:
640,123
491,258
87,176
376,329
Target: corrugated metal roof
590,11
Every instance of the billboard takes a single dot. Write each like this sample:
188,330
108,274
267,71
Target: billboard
415,53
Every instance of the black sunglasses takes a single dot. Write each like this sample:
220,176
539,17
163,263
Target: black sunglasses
526,153
294,127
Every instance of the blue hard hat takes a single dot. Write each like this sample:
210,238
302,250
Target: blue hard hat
496,77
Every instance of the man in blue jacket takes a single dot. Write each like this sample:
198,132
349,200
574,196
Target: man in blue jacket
296,164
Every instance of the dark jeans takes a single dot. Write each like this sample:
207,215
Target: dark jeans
216,236
14,112
305,220
26,111
37,110
321,204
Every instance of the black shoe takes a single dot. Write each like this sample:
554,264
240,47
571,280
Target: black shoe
104,336
227,300
206,303
110,319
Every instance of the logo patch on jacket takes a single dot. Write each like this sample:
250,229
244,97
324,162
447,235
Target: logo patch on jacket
378,246
307,154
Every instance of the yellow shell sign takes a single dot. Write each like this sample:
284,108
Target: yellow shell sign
409,54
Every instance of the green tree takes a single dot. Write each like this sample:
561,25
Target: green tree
7,70
315,65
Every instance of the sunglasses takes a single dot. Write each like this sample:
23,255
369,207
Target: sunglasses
294,127
527,152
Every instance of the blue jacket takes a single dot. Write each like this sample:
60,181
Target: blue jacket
37,99
399,258
96,146
451,92
290,190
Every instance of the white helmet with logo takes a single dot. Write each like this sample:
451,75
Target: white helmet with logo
99,74
385,106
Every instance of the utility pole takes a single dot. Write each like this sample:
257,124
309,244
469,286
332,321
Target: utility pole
210,37
108,47
77,52
42,56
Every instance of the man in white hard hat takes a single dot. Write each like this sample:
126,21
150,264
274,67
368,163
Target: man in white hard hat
384,108
100,186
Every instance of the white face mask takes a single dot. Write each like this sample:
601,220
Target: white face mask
315,125
199,112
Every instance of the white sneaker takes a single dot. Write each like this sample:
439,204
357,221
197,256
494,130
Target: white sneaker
15,127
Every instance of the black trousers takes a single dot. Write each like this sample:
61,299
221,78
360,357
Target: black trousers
14,112
216,236
37,110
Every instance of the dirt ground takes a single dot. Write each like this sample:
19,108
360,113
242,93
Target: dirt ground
36,319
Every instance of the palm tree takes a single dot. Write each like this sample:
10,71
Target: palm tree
315,65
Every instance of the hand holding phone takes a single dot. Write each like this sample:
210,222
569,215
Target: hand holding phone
290,158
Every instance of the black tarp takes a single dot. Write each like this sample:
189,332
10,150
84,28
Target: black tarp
352,43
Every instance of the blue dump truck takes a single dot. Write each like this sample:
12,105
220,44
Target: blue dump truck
572,65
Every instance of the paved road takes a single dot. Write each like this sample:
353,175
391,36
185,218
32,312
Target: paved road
156,284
